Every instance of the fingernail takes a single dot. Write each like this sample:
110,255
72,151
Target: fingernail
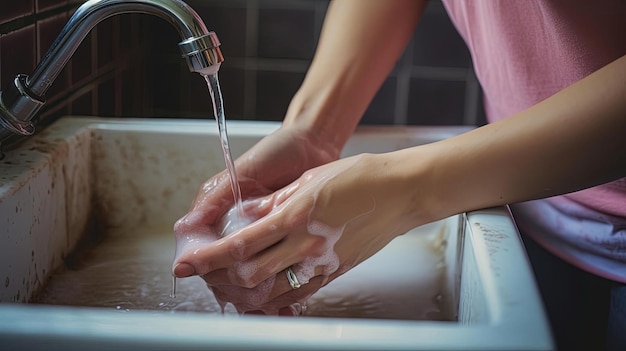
183,270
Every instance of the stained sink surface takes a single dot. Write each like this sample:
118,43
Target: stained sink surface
129,270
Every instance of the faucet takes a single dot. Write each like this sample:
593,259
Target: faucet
22,99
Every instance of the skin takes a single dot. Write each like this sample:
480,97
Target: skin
575,141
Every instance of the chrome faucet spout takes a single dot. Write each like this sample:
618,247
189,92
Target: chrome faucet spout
20,101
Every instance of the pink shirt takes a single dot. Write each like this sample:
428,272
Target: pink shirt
524,51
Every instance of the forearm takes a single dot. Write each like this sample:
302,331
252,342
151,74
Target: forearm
359,45
570,141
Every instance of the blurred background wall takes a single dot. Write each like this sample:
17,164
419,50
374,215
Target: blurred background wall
130,66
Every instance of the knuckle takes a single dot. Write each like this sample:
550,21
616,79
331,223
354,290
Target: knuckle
244,274
314,245
238,249
249,282
181,226
193,221
202,267
261,274
208,279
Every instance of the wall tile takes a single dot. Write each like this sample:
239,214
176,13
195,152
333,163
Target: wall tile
381,109
81,60
197,98
231,84
18,54
105,38
437,43
274,92
228,23
164,80
286,34
43,5
50,113
83,104
433,102
106,98
128,31
15,9
131,93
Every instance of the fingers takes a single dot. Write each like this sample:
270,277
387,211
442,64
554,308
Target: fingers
195,234
263,293
254,254
220,252
252,272
235,248
274,296
213,196
284,295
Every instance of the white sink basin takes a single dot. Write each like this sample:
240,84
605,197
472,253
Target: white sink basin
86,180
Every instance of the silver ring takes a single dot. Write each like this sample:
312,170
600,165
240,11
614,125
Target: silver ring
292,279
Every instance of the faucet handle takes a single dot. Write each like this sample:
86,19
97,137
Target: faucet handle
202,53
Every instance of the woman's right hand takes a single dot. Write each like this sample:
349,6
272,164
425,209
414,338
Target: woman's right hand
275,161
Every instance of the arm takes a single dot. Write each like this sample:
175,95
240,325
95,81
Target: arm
570,141
359,45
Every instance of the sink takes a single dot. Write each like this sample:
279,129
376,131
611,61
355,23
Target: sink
86,190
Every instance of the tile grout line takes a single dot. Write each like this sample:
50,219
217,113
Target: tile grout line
251,50
472,96
30,19
318,21
403,86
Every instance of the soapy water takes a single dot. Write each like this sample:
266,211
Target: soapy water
248,299
329,261
233,220
244,299
129,270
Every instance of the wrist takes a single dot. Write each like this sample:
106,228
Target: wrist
412,178
319,113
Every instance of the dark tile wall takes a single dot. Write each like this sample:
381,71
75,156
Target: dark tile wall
93,81
268,46
129,65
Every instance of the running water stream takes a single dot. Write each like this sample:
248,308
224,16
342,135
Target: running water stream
218,111
213,84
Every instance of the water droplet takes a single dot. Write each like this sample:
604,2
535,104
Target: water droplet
173,291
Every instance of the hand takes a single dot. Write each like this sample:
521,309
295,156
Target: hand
274,162
329,220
